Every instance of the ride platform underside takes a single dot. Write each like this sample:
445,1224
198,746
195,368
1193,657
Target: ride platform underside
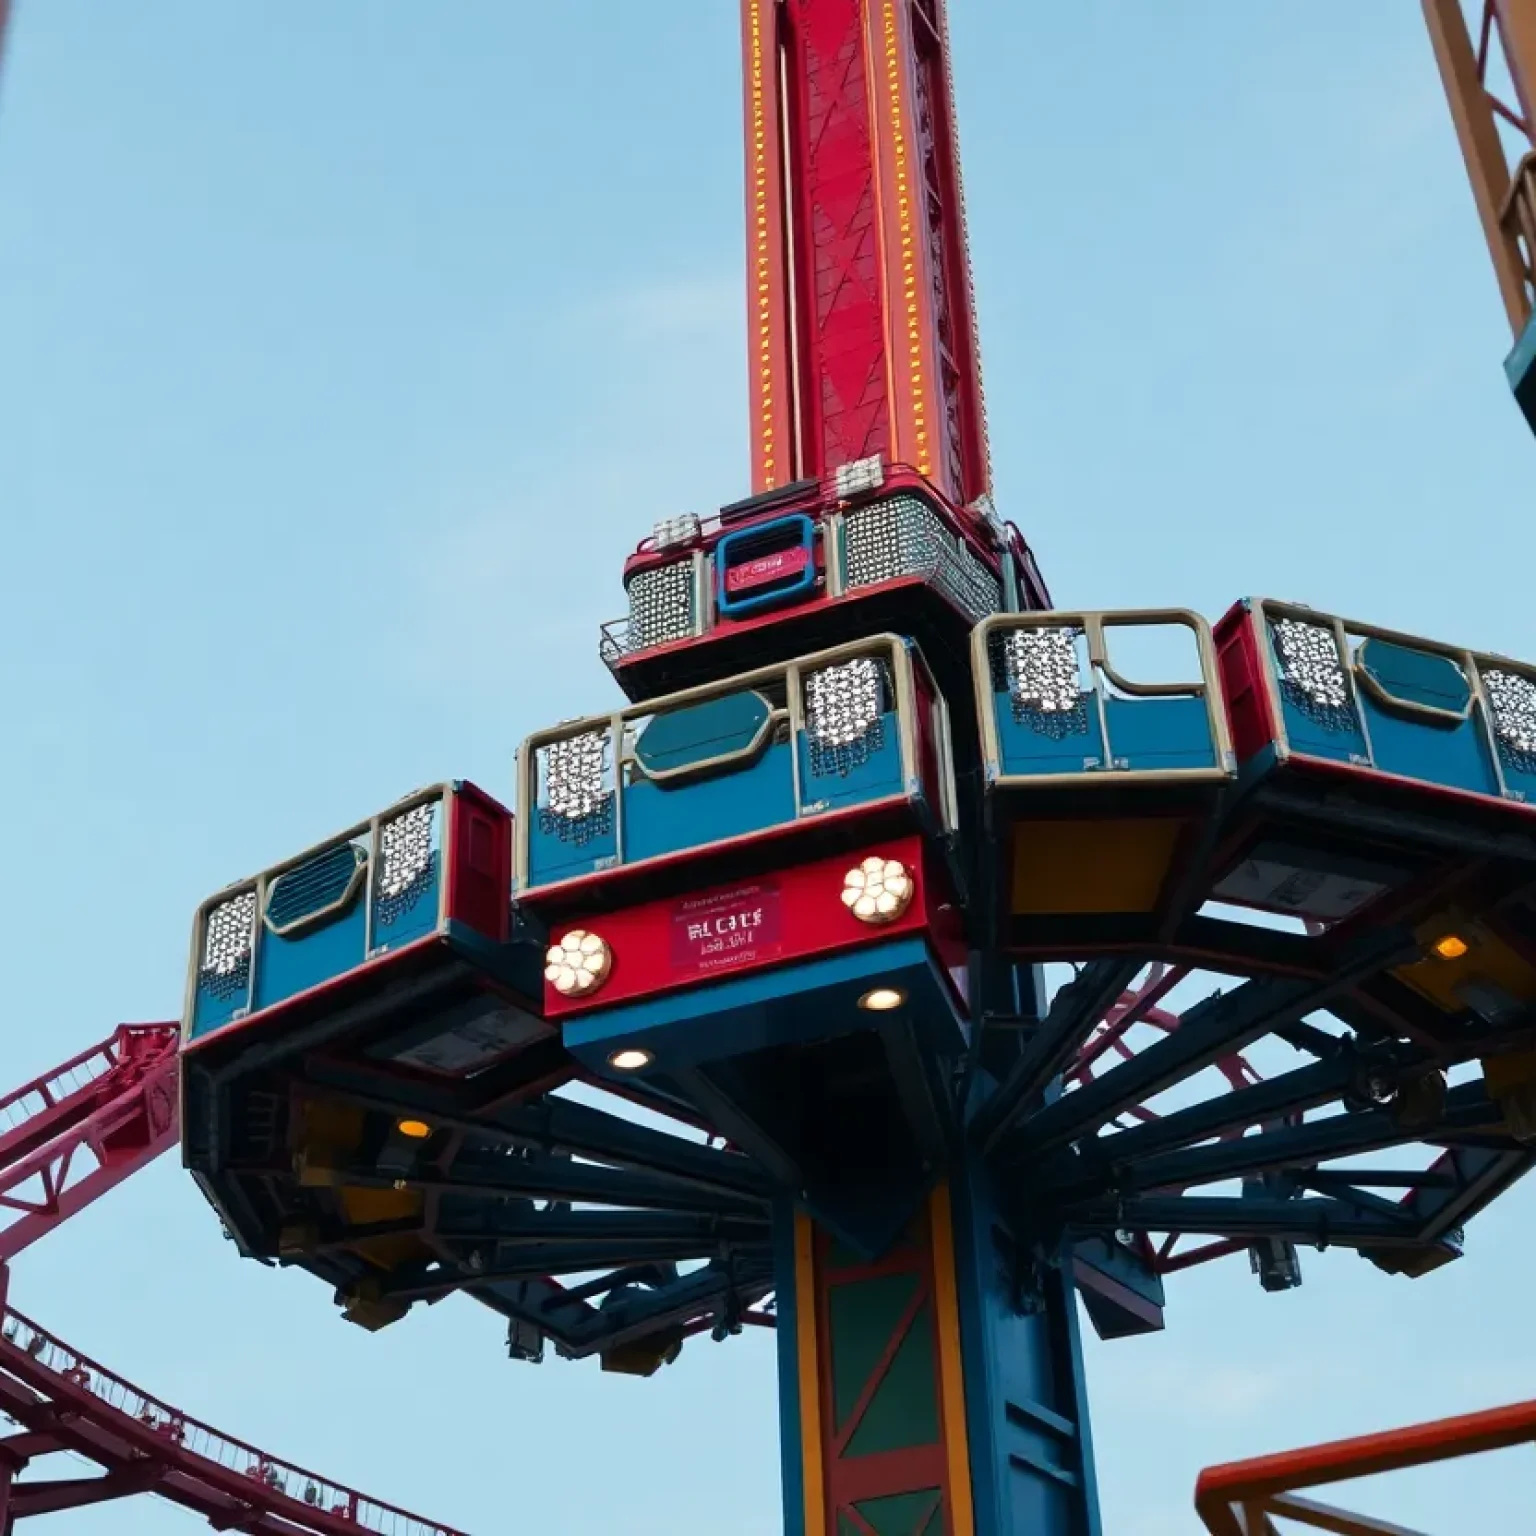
767,912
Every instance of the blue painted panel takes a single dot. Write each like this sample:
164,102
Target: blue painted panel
1031,1449
1334,734
842,776
787,1344
286,966
411,913
316,886
1048,743
702,732
217,1003
1410,675
1457,757
1170,733
562,850
810,1000
660,820
745,545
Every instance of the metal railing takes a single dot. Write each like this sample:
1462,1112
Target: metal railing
951,563
366,836
25,1105
192,1438
1077,642
70,1136
613,740
1500,691
1246,1498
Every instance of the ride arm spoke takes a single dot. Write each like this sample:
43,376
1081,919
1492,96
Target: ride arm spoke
1218,1026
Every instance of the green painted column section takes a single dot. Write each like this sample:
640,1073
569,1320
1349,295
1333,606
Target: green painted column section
882,1439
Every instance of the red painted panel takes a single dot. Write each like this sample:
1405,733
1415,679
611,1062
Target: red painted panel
478,838
836,267
727,929
1250,717
793,914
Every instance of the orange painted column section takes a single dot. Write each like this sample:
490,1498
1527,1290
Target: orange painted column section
775,451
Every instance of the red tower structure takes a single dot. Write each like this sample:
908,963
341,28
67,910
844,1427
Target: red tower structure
860,314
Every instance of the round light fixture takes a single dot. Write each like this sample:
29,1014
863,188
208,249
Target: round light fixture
882,999
413,1130
1450,946
578,964
878,891
631,1059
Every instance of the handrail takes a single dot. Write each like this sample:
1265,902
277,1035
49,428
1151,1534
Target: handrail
1475,667
32,1112
1091,625
256,889
826,498
225,1472
991,544
614,732
1239,1498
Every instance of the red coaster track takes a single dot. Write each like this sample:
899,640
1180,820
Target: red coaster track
65,1139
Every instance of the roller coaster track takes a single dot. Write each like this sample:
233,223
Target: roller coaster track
65,1140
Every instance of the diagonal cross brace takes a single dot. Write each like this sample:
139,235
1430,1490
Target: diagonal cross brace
1214,1028
1265,1102
1340,1135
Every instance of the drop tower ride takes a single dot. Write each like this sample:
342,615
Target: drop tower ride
798,895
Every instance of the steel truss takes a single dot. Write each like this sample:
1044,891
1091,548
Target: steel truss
68,1137
1122,1125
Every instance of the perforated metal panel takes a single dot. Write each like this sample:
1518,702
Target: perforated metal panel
407,862
845,707
1042,673
1512,697
227,938
576,790
1312,673
661,605
903,536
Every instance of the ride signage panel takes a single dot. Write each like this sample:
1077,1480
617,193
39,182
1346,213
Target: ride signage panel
779,565
726,928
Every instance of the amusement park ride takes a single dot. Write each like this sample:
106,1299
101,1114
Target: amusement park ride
795,899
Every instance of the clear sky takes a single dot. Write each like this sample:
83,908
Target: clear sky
344,351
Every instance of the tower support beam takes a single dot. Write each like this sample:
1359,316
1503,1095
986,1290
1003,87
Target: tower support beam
937,1390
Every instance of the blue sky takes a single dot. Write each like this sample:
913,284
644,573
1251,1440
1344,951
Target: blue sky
344,351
